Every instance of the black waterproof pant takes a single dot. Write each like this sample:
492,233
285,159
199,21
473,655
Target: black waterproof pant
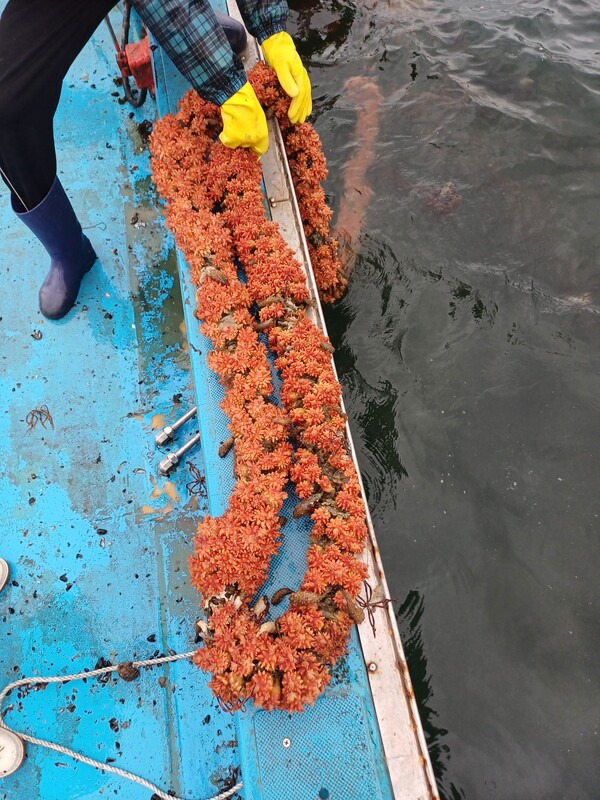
39,40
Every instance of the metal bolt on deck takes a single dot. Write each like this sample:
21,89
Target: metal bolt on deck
169,431
170,462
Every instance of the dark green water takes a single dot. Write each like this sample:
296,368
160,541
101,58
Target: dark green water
468,347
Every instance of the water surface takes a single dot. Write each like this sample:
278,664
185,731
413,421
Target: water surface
468,347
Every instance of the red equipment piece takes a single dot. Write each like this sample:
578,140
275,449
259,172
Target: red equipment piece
135,61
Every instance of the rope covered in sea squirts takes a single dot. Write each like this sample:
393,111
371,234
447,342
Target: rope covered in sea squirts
214,207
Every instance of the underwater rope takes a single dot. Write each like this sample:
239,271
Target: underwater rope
78,756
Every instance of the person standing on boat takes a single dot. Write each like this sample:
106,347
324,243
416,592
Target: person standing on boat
39,40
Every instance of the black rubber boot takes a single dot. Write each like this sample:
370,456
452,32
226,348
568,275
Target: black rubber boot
234,30
54,223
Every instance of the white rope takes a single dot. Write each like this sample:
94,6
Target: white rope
14,191
78,756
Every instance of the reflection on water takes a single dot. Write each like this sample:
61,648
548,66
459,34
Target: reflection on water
468,346
321,24
409,616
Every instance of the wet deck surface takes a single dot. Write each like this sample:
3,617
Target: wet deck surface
97,542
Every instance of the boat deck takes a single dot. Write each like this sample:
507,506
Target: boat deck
98,542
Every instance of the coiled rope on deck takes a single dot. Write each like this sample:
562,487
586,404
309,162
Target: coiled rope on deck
151,662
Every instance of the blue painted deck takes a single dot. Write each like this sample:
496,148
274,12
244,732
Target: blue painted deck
115,361
97,542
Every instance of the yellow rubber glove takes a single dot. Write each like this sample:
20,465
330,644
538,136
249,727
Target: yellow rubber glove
280,54
244,121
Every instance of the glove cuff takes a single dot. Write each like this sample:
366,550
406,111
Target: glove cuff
269,31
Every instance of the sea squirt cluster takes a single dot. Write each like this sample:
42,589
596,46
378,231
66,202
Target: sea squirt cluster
214,207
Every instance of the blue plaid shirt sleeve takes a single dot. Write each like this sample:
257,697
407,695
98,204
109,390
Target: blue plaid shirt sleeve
195,42
263,18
